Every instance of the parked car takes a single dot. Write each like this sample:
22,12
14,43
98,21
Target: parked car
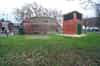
92,29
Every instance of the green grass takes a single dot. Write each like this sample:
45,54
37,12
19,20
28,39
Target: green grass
54,51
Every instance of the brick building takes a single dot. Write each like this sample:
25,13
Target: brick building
40,25
90,22
72,23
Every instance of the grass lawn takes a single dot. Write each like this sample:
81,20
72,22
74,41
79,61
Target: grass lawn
54,51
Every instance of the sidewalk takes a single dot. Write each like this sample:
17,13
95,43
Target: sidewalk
36,36
73,35
5,35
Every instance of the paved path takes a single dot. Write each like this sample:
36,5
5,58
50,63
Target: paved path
4,35
69,35
37,36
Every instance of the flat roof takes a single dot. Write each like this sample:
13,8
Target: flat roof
70,15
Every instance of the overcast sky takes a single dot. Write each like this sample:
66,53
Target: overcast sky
7,6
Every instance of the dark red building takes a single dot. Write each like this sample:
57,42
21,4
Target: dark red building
72,23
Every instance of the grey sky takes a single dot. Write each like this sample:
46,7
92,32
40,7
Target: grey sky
6,6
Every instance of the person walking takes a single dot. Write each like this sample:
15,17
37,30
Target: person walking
6,32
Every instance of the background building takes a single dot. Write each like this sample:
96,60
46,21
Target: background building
6,25
40,25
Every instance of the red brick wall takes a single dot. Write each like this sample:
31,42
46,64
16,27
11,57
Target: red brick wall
70,26
28,28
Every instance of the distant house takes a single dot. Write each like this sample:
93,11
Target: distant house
90,22
6,25
40,25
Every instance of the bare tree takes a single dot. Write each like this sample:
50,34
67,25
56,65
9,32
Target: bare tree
85,4
27,11
19,14
97,8
34,9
